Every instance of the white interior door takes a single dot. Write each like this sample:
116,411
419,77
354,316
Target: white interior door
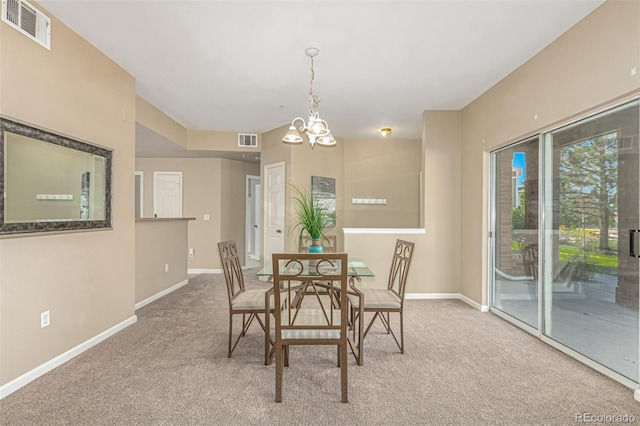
167,194
274,209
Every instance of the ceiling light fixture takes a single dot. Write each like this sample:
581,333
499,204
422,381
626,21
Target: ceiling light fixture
317,129
385,131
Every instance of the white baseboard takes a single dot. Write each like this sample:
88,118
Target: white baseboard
456,296
42,369
432,296
160,294
474,304
195,271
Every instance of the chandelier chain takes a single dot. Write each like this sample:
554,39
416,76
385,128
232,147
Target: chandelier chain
313,99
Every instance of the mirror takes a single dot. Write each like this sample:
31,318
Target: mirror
51,182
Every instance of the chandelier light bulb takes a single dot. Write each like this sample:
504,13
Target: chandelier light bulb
385,132
292,136
326,140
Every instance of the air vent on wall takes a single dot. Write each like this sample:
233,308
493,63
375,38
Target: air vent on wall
21,15
247,140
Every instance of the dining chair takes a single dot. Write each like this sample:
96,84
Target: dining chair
248,303
313,320
381,302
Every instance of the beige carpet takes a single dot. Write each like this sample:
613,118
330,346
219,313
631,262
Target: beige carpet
460,367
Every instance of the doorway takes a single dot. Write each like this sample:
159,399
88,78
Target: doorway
253,221
563,205
139,204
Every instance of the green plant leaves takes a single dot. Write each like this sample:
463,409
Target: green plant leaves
313,217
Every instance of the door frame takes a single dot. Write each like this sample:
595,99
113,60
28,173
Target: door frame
543,271
155,189
249,209
141,198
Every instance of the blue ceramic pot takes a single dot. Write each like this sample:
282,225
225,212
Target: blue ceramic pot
316,246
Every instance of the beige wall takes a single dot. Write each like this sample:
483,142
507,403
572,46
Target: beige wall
154,119
317,161
382,168
436,264
210,140
362,169
376,250
442,176
210,186
584,69
234,201
153,252
85,279
201,194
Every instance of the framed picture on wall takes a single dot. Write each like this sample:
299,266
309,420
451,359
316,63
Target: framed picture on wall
324,189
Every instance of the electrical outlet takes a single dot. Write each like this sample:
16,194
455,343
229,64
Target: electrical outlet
45,319
166,267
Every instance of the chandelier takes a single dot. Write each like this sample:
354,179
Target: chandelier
316,128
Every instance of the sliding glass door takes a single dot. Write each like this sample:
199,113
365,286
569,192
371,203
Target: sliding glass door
515,199
574,283
591,202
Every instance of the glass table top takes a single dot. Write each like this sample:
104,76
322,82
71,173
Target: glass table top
355,268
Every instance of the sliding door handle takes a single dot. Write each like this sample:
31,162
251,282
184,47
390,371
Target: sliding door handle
634,250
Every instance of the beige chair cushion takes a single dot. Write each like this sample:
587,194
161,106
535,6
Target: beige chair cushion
251,299
375,298
310,317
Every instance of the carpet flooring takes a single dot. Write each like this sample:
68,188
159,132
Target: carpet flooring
461,366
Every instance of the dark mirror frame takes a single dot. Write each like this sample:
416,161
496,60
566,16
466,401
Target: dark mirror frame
45,136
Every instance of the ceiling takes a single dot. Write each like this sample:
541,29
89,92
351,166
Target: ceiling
240,66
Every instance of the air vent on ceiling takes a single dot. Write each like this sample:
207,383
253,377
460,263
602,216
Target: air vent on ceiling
247,140
21,15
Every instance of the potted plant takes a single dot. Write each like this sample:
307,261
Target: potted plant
313,217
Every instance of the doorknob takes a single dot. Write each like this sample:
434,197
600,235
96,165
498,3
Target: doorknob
278,231
255,226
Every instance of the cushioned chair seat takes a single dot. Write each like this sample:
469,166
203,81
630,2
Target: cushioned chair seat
310,317
250,299
376,298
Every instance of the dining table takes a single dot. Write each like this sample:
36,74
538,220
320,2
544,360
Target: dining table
356,270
